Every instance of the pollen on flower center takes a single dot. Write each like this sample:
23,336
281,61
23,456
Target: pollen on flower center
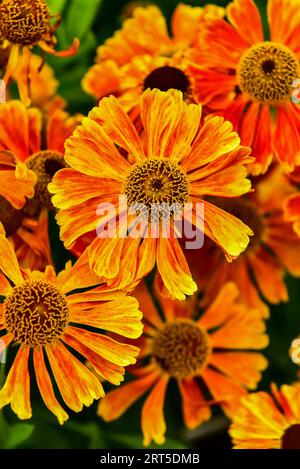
44,164
267,71
165,78
247,212
156,186
24,22
291,437
36,313
181,348
10,217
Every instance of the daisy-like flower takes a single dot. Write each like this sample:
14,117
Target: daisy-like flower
143,55
177,160
211,357
272,252
42,316
37,158
24,24
248,78
268,421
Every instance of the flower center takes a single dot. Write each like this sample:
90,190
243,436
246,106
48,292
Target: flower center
247,212
157,186
44,164
10,217
181,348
267,71
165,78
291,437
24,22
36,313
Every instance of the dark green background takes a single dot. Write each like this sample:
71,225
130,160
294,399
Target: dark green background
93,21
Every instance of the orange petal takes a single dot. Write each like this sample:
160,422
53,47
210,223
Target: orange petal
145,33
59,127
243,330
107,370
16,389
173,269
123,318
215,138
244,367
229,182
229,232
77,385
72,50
269,276
262,146
195,409
14,116
221,308
292,211
91,151
116,402
245,17
45,386
153,422
79,188
283,16
287,143
161,116
118,126
146,303
8,262
102,79
223,389
17,185
108,348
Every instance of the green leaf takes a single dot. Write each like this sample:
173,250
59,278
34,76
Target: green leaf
92,431
56,6
80,17
18,434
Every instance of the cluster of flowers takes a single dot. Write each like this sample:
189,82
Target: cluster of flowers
203,115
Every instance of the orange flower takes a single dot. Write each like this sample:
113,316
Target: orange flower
175,161
273,250
40,314
268,421
142,55
211,354
24,24
37,160
248,79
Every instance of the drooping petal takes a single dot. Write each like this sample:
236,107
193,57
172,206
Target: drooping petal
153,422
16,389
77,385
195,409
116,402
45,386
173,269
